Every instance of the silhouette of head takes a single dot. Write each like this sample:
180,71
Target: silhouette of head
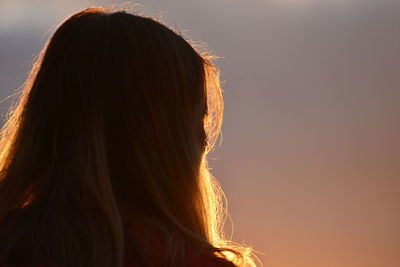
119,111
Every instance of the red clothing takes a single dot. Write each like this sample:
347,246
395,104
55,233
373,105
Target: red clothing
193,258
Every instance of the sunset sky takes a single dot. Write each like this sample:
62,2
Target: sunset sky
310,156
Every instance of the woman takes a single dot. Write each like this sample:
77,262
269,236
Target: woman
103,159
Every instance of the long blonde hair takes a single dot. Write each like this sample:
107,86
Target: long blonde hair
108,118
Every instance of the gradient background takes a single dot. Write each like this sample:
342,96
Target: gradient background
310,158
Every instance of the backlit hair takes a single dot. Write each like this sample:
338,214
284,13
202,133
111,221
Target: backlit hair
107,121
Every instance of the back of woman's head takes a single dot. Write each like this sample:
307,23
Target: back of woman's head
118,113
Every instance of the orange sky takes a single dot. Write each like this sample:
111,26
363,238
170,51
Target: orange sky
310,159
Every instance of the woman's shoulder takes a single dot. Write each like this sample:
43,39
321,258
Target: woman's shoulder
22,264
192,259
147,237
